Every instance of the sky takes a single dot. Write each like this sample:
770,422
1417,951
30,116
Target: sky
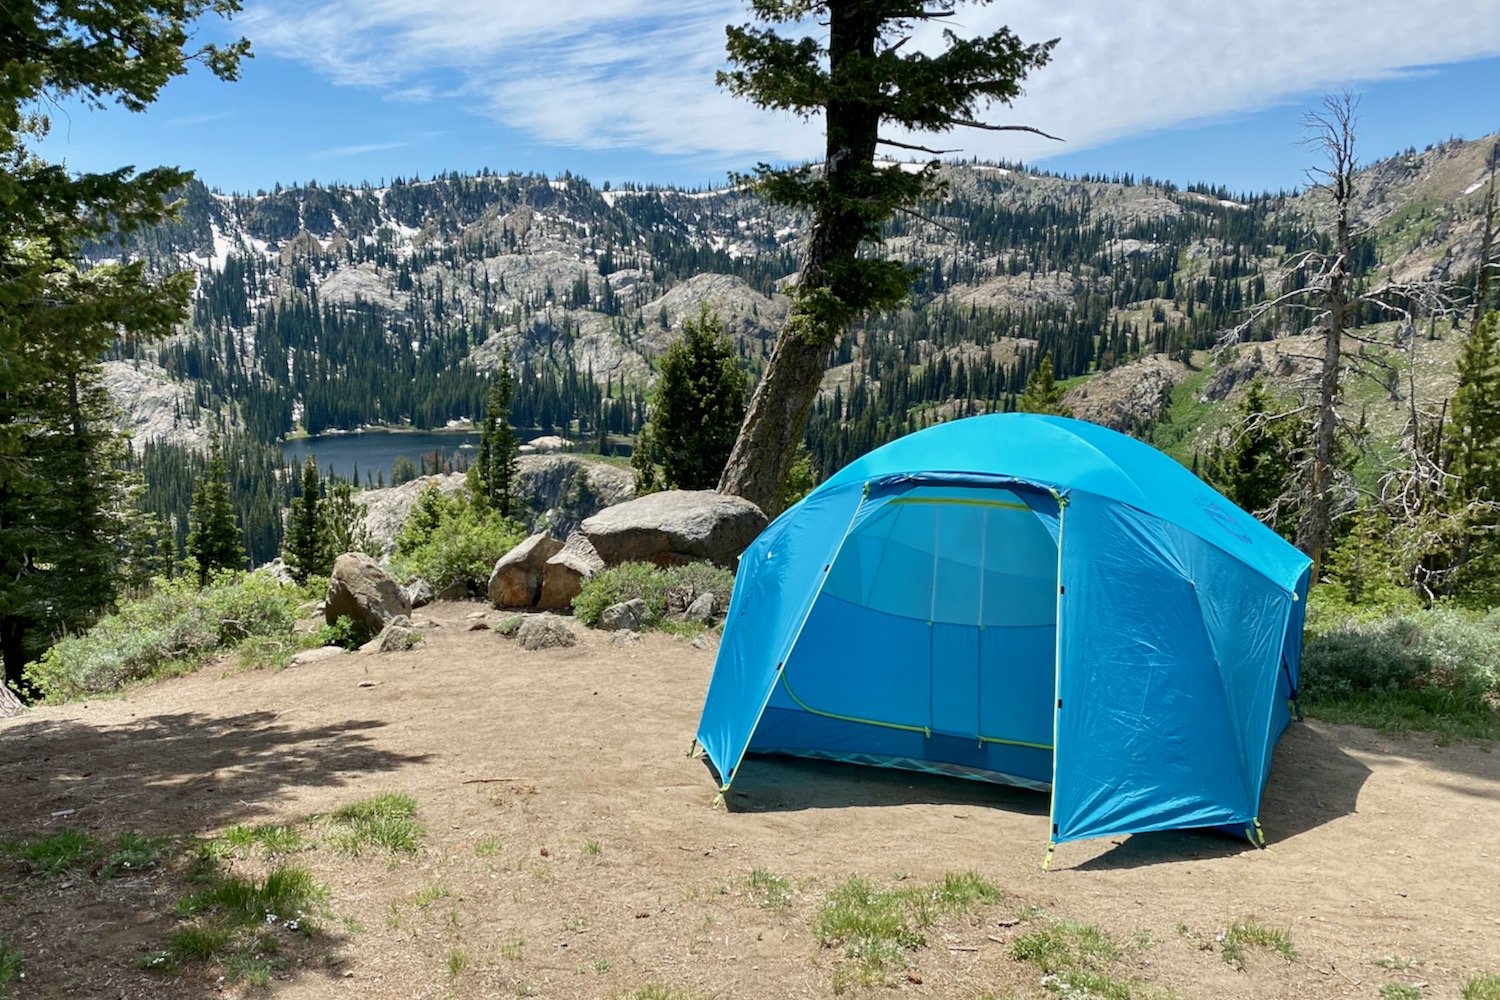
623,90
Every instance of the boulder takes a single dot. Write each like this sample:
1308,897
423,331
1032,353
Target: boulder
307,656
674,527
419,593
398,638
564,573
455,591
516,581
361,590
545,632
630,615
702,609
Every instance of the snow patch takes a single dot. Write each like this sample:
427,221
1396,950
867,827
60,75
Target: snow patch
1476,185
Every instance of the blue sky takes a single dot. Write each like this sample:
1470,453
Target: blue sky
363,90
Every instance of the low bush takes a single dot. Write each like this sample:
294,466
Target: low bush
460,545
652,584
1404,668
175,623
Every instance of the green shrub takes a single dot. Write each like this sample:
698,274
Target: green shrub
1437,647
462,546
624,582
651,584
174,623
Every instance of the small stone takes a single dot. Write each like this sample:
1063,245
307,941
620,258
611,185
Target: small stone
478,626
701,610
398,639
545,631
419,593
625,637
701,642
307,656
629,614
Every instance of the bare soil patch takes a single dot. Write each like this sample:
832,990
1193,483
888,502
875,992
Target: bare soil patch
571,849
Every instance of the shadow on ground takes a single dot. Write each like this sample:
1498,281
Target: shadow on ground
176,774
791,784
1314,781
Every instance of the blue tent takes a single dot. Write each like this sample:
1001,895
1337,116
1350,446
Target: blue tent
1027,599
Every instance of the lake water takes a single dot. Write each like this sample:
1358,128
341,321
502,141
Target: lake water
372,453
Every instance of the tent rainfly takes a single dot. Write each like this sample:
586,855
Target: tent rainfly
1032,600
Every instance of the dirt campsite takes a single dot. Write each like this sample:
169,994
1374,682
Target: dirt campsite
554,838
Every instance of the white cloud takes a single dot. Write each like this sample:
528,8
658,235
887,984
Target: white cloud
638,74
358,149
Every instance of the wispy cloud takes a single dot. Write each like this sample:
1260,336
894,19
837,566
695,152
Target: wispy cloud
203,119
356,150
622,74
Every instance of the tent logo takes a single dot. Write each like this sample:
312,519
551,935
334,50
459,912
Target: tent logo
1225,520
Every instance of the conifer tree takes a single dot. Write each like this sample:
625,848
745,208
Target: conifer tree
305,548
214,539
859,77
1254,469
1042,393
343,526
492,477
700,401
55,318
1475,433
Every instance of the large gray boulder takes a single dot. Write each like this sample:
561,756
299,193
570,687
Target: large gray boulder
674,527
516,581
563,574
361,590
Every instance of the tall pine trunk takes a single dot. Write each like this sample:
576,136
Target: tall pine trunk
767,443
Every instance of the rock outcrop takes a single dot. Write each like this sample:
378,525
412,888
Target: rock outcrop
674,527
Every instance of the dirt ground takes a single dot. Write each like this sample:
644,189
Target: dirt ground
572,849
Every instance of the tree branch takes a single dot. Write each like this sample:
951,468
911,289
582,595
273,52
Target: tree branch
970,123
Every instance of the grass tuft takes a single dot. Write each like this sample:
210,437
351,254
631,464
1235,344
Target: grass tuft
54,853
271,839
12,968
1066,946
1249,934
384,821
878,927
1399,991
1485,987
771,892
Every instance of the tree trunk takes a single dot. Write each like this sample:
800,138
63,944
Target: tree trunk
767,443
1336,127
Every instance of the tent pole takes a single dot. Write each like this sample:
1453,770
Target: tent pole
1062,508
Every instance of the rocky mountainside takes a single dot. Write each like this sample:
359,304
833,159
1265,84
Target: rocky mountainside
324,306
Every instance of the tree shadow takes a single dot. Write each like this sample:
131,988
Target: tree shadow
774,783
176,774
81,933
1313,782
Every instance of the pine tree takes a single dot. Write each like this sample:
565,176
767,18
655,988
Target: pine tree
56,520
857,76
492,477
214,539
343,526
700,401
1042,393
1255,468
305,547
1475,433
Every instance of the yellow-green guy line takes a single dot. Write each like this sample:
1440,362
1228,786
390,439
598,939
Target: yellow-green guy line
959,502
925,731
